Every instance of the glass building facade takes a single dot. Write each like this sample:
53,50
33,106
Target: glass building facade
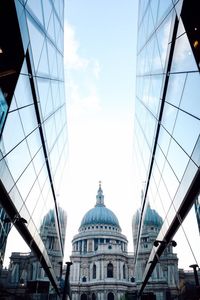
167,128
33,136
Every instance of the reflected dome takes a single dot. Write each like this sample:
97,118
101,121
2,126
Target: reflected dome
152,218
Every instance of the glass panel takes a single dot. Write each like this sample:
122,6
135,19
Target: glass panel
52,56
39,161
28,118
34,142
169,117
37,41
45,96
36,9
55,91
163,38
170,180
187,241
26,181
3,109
175,88
10,140
51,29
154,10
154,94
186,131
47,8
191,95
164,140
23,89
183,59
43,67
16,162
164,7
33,197
177,159
50,132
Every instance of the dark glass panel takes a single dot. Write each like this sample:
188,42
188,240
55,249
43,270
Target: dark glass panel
183,60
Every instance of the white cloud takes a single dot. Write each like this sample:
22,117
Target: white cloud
72,59
83,103
96,69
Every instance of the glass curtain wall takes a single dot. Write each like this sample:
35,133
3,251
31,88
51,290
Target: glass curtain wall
167,127
33,141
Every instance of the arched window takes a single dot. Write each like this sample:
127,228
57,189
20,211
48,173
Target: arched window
124,272
111,296
94,271
93,296
84,279
110,270
83,297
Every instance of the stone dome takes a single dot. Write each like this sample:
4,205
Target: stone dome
100,214
49,218
152,218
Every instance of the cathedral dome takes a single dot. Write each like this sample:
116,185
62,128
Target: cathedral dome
152,218
100,214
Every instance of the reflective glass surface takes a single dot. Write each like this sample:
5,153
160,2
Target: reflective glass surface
166,132
33,143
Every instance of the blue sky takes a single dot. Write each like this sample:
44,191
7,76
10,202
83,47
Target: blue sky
100,55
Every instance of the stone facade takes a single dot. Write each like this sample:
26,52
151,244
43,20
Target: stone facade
102,268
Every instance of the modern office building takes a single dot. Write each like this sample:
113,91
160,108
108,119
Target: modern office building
33,132
102,268
167,129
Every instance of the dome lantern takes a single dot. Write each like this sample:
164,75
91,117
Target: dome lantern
100,214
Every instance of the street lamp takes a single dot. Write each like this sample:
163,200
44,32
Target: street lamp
195,267
66,290
164,243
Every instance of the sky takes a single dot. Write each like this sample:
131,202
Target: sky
99,60
100,54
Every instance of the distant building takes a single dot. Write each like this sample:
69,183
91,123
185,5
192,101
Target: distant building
33,135
26,271
164,280
102,268
4,231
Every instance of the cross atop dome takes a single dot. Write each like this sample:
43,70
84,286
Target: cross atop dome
100,196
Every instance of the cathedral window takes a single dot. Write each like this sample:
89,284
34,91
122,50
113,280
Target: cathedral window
110,270
110,296
124,272
93,296
94,271
83,297
84,279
